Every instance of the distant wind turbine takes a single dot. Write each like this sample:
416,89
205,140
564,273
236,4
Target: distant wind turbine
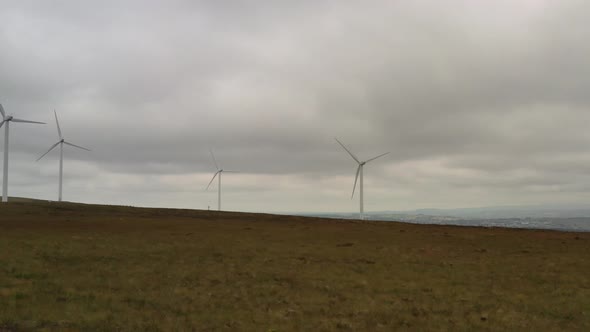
219,172
8,119
359,170
61,143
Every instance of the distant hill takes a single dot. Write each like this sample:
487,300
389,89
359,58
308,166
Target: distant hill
565,218
25,200
495,212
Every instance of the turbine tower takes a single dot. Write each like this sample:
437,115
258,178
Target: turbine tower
219,172
61,143
7,120
359,170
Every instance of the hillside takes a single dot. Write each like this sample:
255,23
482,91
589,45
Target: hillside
66,266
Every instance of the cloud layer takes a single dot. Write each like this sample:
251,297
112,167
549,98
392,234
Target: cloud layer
479,103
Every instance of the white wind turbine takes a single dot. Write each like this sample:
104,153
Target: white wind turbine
8,119
61,143
219,172
359,170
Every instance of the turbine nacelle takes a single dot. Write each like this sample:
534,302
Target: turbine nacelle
61,140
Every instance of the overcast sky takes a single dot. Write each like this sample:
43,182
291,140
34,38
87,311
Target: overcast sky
479,102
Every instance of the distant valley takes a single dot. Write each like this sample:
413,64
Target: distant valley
563,218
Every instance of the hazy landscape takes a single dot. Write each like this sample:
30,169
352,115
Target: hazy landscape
77,267
433,157
562,218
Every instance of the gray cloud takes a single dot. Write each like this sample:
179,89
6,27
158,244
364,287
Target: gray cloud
479,104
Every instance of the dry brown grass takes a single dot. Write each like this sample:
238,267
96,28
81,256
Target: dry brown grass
99,268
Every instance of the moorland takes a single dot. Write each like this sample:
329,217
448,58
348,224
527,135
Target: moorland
66,266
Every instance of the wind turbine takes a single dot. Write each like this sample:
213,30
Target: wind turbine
359,170
8,119
219,172
61,143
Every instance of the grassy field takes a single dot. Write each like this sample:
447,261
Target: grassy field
100,268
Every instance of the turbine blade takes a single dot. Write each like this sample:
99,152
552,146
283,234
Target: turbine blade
57,122
25,121
358,170
76,146
379,156
350,153
2,123
224,171
51,148
214,161
212,180
2,111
